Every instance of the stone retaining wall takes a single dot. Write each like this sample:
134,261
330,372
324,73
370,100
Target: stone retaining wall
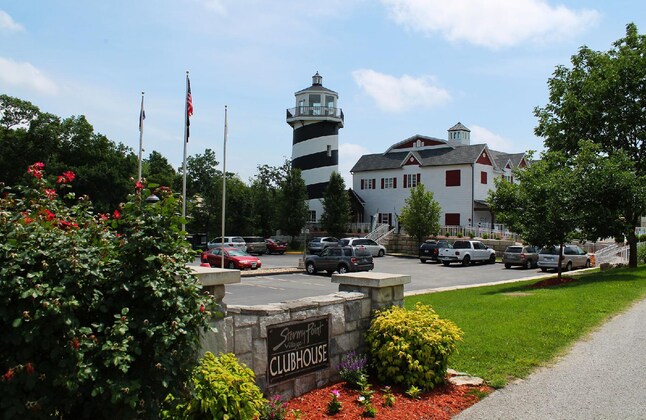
243,330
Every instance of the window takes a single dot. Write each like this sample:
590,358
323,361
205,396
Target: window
483,177
453,178
329,150
452,219
301,106
311,216
315,103
368,184
387,183
411,180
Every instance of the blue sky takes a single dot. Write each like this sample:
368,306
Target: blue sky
401,67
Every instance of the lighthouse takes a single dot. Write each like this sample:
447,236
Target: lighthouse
316,120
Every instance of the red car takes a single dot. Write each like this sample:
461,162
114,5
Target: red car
233,258
275,247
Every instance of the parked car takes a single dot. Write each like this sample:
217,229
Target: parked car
377,250
233,258
275,246
525,256
429,250
573,257
255,244
317,245
341,259
229,241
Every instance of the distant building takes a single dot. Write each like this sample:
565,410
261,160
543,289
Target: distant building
316,121
459,174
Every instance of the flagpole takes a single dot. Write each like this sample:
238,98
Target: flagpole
224,179
141,134
185,145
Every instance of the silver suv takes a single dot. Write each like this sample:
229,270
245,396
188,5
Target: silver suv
317,245
341,259
234,241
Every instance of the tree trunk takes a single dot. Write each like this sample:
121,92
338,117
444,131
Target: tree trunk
559,268
632,242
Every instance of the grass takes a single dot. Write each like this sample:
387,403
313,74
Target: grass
510,329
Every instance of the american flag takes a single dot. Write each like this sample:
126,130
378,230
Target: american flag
189,106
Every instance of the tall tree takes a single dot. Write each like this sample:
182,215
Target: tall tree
203,194
157,170
420,215
336,215
16,112
560,198
601,99
293,208
265,188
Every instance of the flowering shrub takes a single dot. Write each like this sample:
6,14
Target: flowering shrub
100,313
334,405
222,388
274,409
353,369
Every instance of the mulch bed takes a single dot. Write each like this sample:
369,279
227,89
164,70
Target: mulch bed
443,402
552,282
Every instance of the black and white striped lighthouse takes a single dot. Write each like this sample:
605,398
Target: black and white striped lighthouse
315,146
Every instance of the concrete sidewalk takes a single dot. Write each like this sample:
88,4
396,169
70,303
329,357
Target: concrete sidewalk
601,377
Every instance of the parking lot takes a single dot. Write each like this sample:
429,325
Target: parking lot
258,290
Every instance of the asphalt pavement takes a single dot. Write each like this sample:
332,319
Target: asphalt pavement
601,377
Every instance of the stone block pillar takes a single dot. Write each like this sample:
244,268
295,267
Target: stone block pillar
383,289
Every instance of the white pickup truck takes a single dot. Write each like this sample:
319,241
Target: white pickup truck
467,252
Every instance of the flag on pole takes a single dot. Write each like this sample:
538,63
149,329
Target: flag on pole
189,106
142,114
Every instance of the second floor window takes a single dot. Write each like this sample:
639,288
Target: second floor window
411,180
453,178
388,183
368,184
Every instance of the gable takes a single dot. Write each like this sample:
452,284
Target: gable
484,159
418,142
411,160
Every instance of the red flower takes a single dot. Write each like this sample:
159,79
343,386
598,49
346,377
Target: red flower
75,343
49,215
103,216
116,214
8,375
29,368
36,170
65,225
139,185
202,309
69,175
50,193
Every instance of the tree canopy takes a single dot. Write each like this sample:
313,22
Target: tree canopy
420,216
336,207
601,99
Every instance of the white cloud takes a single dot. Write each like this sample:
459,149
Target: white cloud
26,75
396,95
491,23
8,24
494,141
349,154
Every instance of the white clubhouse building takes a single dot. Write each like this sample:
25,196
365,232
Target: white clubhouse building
459,174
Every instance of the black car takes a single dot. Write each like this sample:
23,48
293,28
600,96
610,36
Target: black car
428,250
341,259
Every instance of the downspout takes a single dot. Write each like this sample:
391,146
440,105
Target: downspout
473,170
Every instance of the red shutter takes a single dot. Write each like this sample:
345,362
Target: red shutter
419,176
374,184
404,181
394,182
382,183
362,184
483,177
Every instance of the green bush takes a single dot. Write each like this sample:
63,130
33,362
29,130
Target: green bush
642,238
411,348
222,388
641,253
100,313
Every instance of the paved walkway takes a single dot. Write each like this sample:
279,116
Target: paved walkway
602,377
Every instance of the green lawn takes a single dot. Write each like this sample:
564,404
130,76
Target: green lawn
509,330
